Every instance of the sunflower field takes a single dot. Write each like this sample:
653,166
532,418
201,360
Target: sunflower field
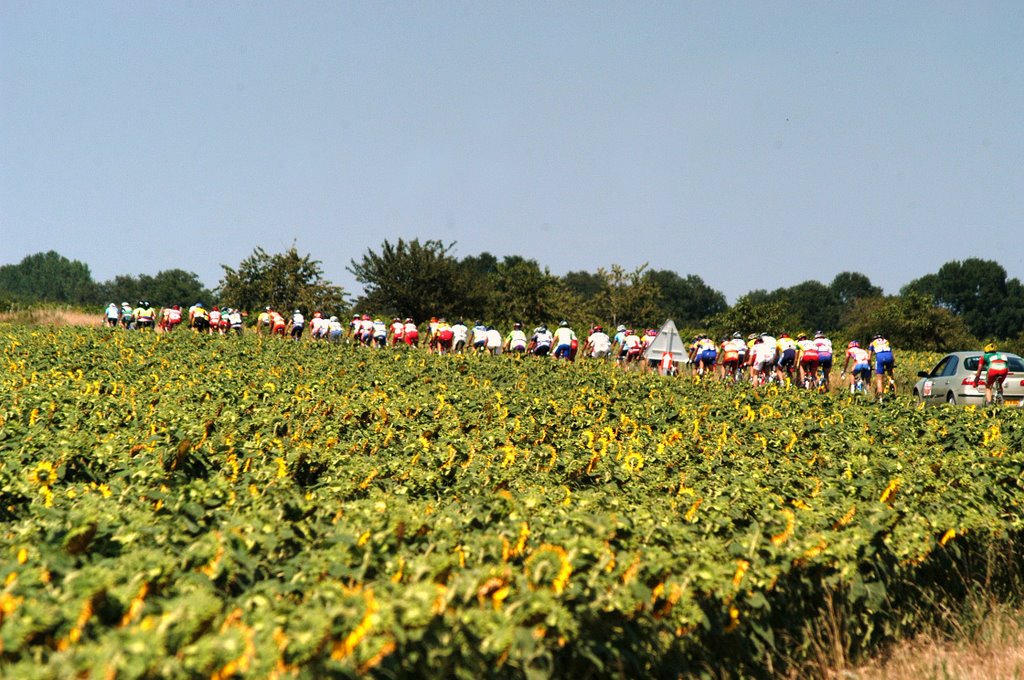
182,506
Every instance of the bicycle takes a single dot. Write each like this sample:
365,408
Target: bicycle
857,386
997,391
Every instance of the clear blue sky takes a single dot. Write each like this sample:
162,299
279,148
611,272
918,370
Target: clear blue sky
756,144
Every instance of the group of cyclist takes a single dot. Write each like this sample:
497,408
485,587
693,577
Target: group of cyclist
805,361
760,358
145,315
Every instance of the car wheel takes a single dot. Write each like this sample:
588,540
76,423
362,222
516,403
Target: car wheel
951,399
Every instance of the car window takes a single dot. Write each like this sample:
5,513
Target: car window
951,367
1015,364
940,367
971,363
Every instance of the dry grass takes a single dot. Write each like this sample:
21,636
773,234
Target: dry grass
51,316
994,650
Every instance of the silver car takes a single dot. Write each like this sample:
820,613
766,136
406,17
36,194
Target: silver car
952,381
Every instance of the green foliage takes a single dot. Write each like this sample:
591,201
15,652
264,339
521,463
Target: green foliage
330,511
978,291
908,321
169,287
848,287
753,315
811,305
48,277
283,281
686,300
521,291
626,297
419,280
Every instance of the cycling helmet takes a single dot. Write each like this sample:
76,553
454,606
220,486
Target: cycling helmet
737,335
651,331
753,336
409,320
334,318
621,327
819,334
876,336
801,336
298,312
563,324
629,331
517,325
598,329
853,343
317,315
990,347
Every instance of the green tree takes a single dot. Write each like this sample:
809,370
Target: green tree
522,291
626,297
979,292
168,287
753,315
686,300
283,281
910,321
585,284
48,277
848,287
419,280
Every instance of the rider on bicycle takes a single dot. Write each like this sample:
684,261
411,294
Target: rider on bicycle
807,359
997,370
884,361
861,363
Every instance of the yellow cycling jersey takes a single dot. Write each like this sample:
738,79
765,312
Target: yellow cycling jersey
880,345
785,344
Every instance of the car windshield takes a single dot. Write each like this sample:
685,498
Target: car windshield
1014,363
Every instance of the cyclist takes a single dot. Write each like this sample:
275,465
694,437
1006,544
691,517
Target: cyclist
215,320
633,346
127,315
460,334
145,315
318,326
786,349
494,340
598,345
705,354
235,320
540,342
412,333
997,369
334,329
824,346
397,331
619,341
479,336
380,333
199,318
276,323
861,364
762,360
807,359
444,334
516,340
298,323
731,356
170,317
884,362
564,337
112,315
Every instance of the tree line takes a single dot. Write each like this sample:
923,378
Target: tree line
963,303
